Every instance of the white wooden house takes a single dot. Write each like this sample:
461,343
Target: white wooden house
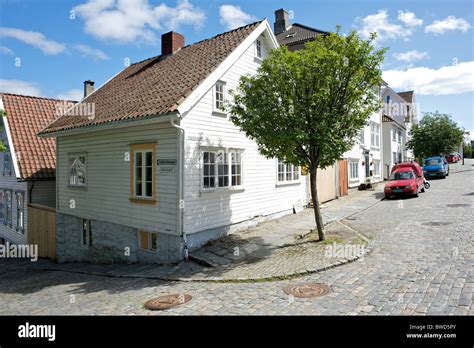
27,167
158,169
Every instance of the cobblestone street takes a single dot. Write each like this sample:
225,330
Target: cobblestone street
422,263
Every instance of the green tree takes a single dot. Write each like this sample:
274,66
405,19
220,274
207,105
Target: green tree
436,134
307,107
3,147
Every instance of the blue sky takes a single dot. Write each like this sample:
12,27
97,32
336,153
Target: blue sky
50,47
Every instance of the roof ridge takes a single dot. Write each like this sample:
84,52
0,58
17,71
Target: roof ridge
310,28
204,40
35,97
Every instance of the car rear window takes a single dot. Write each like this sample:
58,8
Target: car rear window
402,175
432,162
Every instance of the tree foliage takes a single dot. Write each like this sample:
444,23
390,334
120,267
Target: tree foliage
436,134
308,106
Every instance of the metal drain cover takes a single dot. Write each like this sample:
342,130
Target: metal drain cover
306,290
436,223
458,205
167,301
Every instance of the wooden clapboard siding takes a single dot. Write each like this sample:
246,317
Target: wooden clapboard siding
10,182
260,194
43,192
42,229
107,195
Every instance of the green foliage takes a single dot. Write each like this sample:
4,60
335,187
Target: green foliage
3,147
436,134
308,106
468,151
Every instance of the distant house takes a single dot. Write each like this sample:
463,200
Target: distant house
399,116
28,167
160,169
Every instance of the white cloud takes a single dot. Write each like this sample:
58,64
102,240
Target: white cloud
72,94
233,17
448,24
34,39
20,87
450,79
127,21
409,18
385,29
91,52
410,56
5,50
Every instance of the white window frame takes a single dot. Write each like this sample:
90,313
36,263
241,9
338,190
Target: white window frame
143,194
215,108
377,168
259,46
374,134
227,154
75,157
394,157
20,218
291,174
2,205
362,136
353,163
8,216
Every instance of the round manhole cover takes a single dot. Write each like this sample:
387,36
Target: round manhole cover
436,223
306,290
458,205
167,301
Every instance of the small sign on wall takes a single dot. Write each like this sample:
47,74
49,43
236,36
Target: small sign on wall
166,166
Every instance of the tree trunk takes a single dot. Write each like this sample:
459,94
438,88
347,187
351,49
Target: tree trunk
314,195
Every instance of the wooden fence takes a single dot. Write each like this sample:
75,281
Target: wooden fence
42,229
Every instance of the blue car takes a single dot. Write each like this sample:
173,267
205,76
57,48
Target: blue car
436,166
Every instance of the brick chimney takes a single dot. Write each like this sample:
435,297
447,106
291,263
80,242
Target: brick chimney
171,42
281,21
88,87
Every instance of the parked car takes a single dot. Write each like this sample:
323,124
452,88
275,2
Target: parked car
404,181
415,166
453,158
436,166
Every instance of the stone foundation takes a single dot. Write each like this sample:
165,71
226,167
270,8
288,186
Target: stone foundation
111,243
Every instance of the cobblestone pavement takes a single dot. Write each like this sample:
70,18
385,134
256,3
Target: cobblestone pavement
422,263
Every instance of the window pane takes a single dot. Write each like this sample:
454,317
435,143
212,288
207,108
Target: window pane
149,189
149,158
149,174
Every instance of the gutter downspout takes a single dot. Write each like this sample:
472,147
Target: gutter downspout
181,148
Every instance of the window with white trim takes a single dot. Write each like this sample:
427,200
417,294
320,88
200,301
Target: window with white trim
394,135
287,172
77,170
377,168
353,170
375,134
148,241
400,136
221,168
2,205
258,49
7,163
362,136
8,208
394,157
20,212
219,96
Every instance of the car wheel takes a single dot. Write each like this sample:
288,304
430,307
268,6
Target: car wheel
422,190
387,197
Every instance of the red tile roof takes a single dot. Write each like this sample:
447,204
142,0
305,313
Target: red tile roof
155,86
26,116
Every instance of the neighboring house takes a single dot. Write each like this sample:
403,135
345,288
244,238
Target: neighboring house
160,169
364,160
399,115
28,166
295,36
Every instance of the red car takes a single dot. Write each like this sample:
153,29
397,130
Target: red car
453,158
404,181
